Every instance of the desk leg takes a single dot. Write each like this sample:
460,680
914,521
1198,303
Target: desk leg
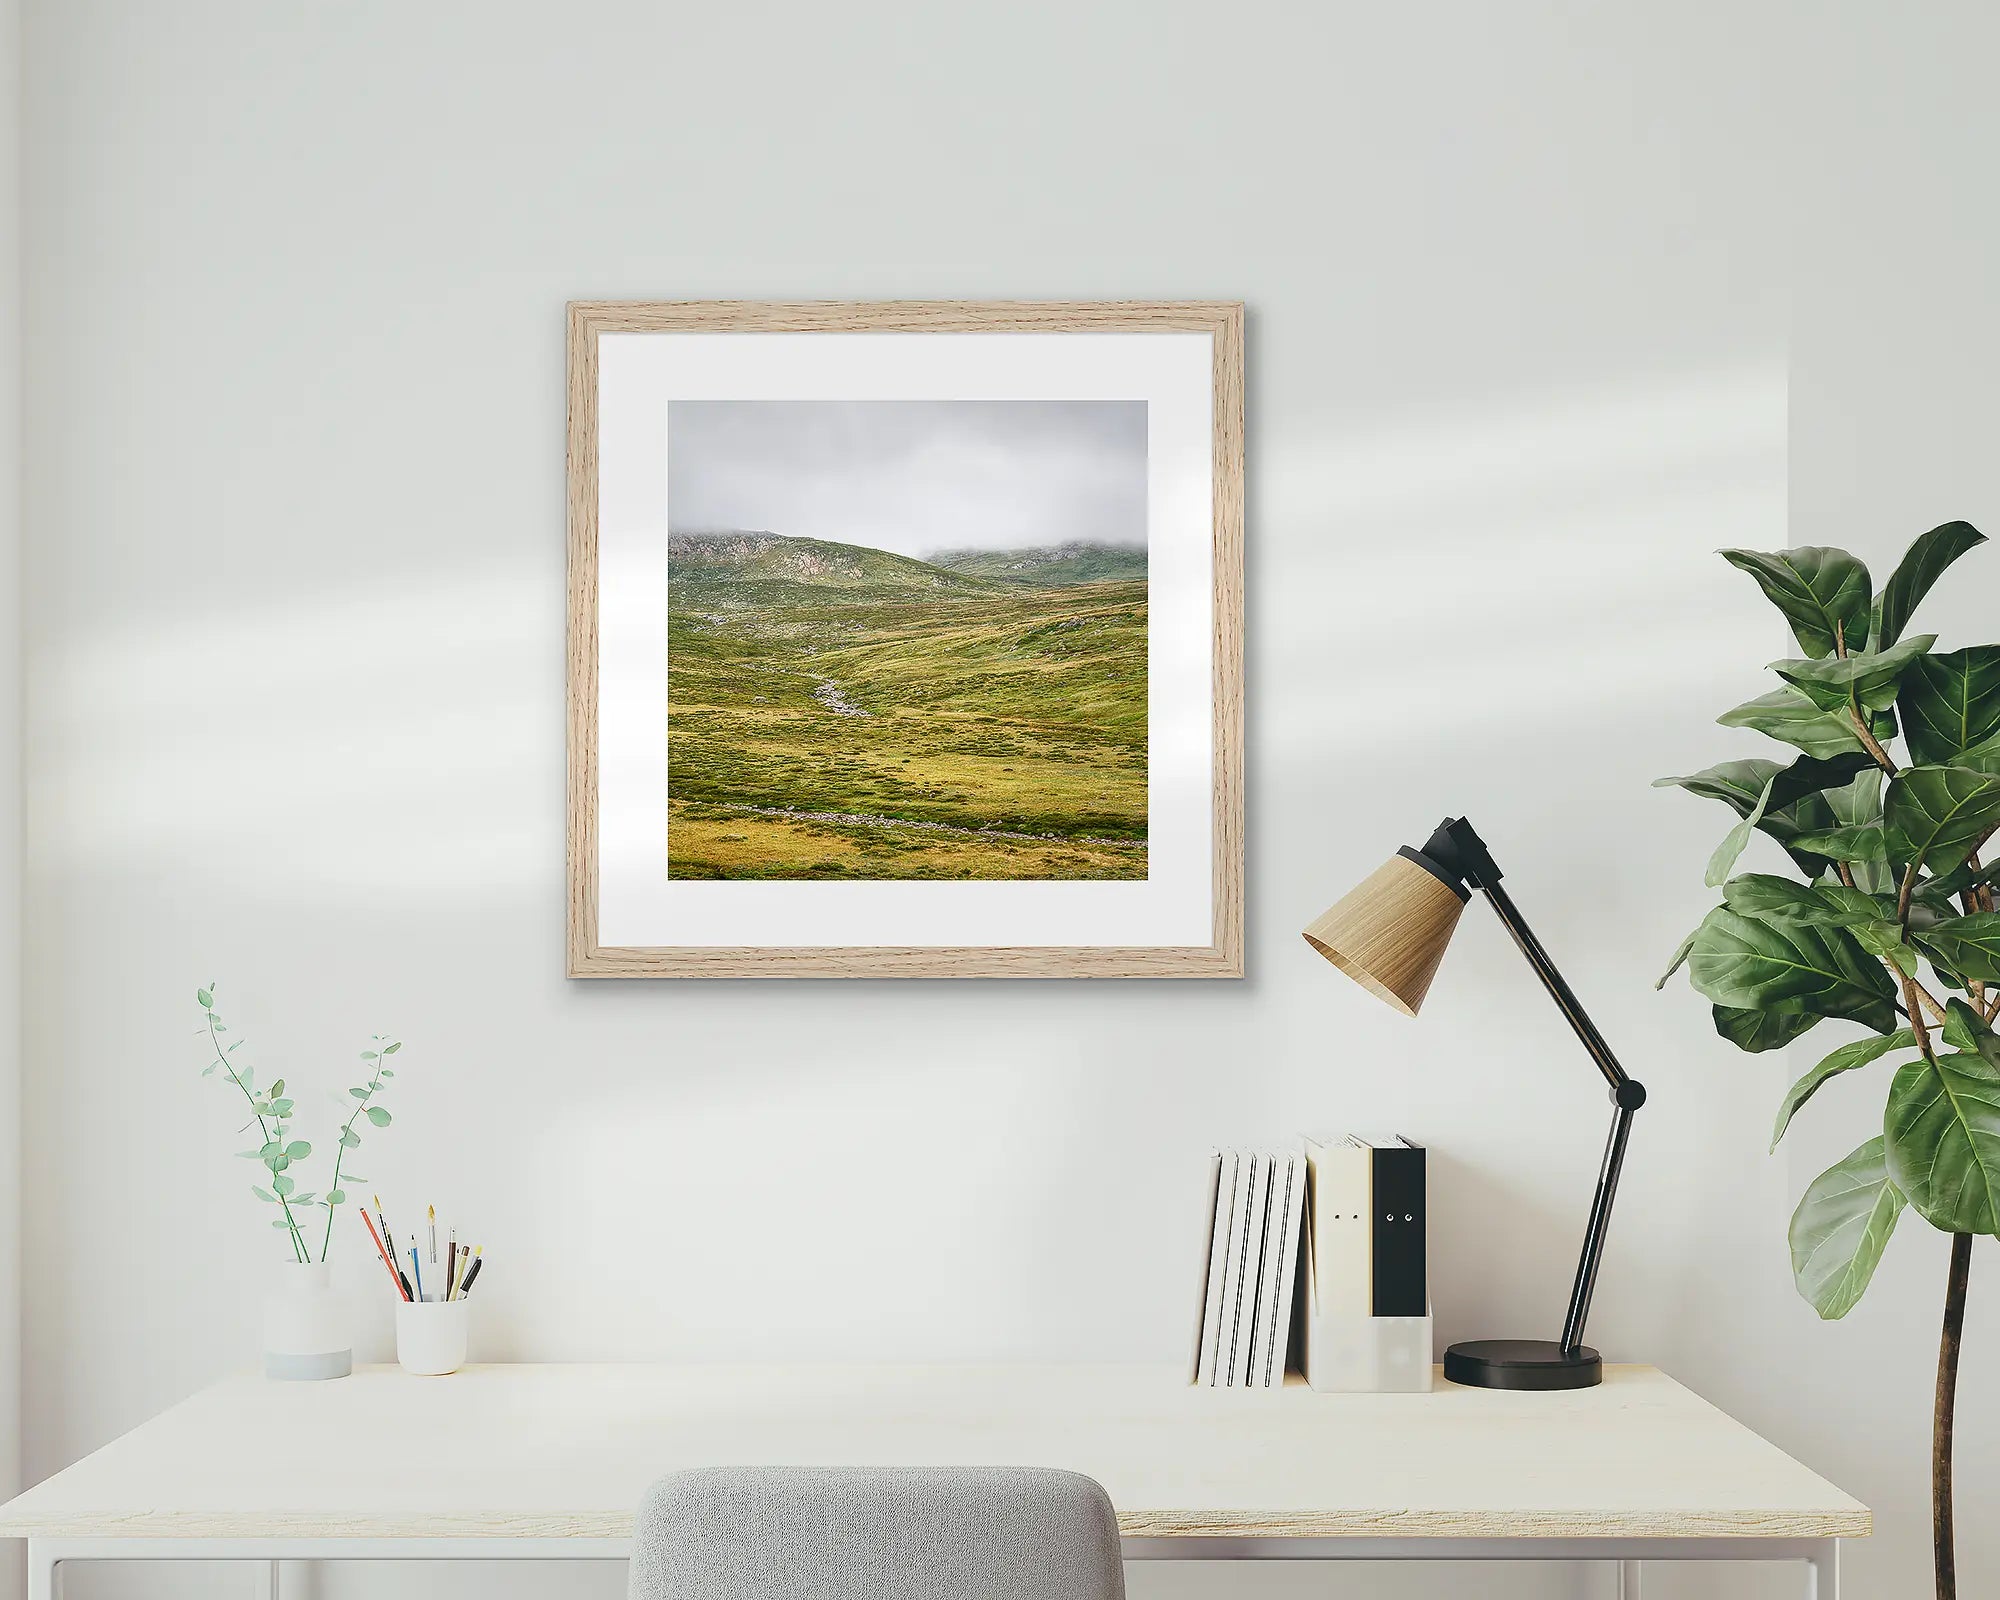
44,1572
1823,1571
264,1583
1628,1580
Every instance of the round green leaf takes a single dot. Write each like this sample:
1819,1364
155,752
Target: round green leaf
204,999
378,1116
1869,677
282,1184
391,1049
1933,816
281,1108
1755,964
277,1088
1840,1229
349,1138
1788,715
1951,702
1824,593
298,1149
1942,1124
335,1197
1968,946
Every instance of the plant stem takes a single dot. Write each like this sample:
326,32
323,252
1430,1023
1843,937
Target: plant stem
299,1245
340,1155
1870,743
1943,1557
1910,990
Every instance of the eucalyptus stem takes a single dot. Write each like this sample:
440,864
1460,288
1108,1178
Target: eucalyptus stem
340,1154
299,1246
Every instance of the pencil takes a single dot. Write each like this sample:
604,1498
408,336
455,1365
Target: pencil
416,1266
478,1261
434,1235
395,1277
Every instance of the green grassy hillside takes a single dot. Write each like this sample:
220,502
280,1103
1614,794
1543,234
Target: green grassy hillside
769,567
837,712
1047,565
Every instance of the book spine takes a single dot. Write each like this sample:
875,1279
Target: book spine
1232,1271
1253,1266
1218,1253
1287,1207
1396,1216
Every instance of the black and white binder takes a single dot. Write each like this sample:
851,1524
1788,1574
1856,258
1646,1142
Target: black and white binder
1400,1279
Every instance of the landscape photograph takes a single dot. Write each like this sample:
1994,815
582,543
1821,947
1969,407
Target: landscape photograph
907,640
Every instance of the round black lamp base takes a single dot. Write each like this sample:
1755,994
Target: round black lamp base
1522,1364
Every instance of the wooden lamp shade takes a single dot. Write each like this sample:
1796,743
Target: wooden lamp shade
1390,931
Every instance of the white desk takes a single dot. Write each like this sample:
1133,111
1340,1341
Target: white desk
549,1462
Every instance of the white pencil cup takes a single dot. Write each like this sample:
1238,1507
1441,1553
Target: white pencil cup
430,1335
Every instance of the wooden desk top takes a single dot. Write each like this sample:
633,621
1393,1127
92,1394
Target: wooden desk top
566,1451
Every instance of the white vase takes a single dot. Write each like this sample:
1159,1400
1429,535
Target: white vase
305,1325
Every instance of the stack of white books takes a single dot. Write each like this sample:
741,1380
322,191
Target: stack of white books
1250,1269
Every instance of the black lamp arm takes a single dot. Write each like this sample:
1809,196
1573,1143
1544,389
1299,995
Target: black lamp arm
1465,853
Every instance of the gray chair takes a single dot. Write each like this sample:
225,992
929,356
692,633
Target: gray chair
876,1533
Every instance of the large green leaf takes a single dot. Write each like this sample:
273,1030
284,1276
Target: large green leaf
1929,554
1933,816
1968,946
1788,715
1951,702
1840,1229
1869,678
1820,590
1860,843
1942,1124
1753,963
1849,1056
1767,1028
1762,894
1829,905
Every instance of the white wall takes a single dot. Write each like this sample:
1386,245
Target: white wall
294,283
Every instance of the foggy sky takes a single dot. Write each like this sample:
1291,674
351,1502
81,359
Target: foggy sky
912,476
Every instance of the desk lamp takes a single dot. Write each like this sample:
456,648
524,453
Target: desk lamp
1388,935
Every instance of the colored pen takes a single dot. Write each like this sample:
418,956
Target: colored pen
451,1265
389,1240
395,1277
478,1261
416,1266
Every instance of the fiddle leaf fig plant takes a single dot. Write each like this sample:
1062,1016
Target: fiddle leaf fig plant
1890,923
278,1150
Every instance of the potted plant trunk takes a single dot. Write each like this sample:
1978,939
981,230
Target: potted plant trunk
1886,923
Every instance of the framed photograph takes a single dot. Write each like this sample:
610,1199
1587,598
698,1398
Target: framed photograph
905,640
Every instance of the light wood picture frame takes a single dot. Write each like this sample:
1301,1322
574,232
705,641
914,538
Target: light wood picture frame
631,364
